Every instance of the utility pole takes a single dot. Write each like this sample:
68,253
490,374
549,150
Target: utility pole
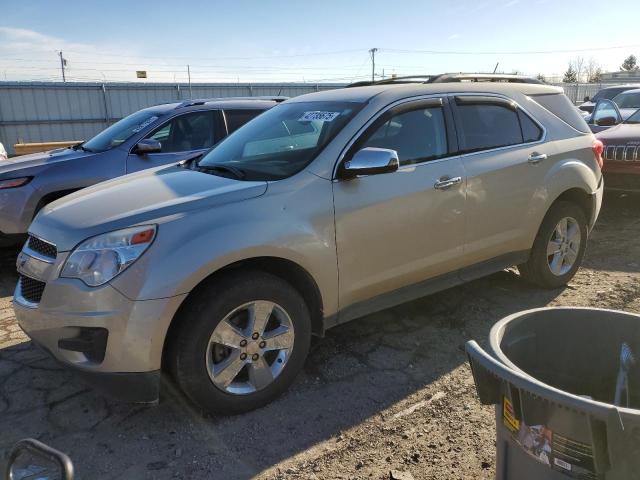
373,63
189,74
63,63
495,69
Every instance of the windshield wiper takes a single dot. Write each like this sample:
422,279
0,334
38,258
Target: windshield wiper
235,171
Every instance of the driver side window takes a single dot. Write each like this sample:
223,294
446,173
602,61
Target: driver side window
192,131
417,135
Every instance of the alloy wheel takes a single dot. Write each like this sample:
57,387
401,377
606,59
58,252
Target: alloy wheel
563,246
250,347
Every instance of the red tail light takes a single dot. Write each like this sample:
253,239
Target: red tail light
598,150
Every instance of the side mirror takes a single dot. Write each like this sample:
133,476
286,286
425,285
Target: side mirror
30,458
606,121
371,161
586,99
148,145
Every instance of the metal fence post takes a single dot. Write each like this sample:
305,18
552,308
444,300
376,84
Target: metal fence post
106,105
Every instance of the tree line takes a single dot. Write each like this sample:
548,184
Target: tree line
591,72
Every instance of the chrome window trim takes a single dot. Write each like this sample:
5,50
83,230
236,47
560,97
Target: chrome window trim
402,101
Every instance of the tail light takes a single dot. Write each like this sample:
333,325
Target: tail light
598,150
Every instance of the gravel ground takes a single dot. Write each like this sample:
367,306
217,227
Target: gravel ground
390,392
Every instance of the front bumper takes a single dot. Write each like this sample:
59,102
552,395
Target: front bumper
129,357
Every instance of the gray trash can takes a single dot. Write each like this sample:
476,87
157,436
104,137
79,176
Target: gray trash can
567,392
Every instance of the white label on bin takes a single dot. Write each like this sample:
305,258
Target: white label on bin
562,464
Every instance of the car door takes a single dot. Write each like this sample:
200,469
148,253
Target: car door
396,229
605,114
506,160
180,137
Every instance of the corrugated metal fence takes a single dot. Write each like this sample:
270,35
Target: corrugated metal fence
46,111
43,112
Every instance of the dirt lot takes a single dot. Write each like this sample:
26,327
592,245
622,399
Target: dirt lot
389,392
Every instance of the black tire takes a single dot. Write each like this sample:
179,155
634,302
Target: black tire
537,269
203,314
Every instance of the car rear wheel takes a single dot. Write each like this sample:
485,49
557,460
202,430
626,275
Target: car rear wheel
241,343
559,247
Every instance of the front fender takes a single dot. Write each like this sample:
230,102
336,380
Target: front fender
282,224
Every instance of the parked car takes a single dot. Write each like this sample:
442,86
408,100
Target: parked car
622,155
148,138
606,93
326,208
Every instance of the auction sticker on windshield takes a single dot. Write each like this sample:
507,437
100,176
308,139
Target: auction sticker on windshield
148,121
318,116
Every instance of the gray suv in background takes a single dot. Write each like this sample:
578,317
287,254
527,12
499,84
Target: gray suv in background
148,138
328,207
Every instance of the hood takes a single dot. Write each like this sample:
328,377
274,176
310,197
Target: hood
153,196
40,159
621,134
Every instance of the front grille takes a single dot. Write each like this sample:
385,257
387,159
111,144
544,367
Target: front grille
43,248
622,153
30,289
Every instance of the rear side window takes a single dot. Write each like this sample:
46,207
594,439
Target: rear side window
237,118
486,126
531,132
561,107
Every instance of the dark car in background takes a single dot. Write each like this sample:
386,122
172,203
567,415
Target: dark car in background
622,155
148,138
606,93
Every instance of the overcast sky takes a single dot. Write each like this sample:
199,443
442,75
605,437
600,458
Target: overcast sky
308,41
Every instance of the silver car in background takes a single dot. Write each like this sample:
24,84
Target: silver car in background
325,208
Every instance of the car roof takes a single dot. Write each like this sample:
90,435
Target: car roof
239,103
630,86
633,90
392,92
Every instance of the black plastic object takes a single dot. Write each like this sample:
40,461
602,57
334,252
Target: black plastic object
551,373
30,458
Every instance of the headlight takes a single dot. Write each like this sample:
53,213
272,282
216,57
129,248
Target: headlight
14,182
98,259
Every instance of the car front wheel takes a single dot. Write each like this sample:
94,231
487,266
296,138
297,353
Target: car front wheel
241,342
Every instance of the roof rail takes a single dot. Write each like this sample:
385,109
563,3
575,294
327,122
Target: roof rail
450,78
202,101
482,77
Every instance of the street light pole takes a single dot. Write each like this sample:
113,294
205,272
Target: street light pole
373,63
62,61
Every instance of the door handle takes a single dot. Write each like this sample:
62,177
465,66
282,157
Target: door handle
445,182
536,158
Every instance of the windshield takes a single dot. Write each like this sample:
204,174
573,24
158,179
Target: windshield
634,118
283,140
628,100
120,131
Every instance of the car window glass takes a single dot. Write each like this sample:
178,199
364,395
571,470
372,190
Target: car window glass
283,140
485,126
628,100
237,118
191,131
120,131
416,136
531,132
